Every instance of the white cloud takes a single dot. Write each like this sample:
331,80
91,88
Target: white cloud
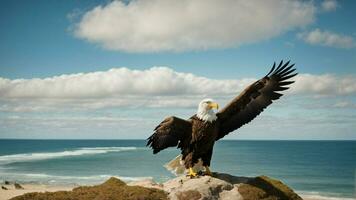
329,5
324,85
154,87
326,38
116,82
170,25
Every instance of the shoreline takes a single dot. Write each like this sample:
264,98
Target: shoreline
28,188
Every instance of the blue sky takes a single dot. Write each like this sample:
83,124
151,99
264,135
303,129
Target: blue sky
43,39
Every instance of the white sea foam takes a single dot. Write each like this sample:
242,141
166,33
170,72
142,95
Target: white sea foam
56,179
26,157
320,197
308,195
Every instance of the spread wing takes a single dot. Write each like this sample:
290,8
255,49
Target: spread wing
169,133
255,98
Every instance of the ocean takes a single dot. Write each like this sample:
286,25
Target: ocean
318,168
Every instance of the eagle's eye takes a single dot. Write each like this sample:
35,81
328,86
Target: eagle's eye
206,104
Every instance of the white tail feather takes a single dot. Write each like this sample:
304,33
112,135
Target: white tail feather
176,166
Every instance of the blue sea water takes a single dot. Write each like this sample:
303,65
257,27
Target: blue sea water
325,168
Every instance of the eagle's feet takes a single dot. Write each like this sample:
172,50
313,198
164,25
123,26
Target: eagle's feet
191,173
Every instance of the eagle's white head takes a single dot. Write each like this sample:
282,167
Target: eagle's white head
205,110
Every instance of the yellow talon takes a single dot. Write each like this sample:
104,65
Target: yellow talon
207,171
192,173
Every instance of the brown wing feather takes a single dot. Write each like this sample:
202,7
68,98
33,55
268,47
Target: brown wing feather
168,133
255,98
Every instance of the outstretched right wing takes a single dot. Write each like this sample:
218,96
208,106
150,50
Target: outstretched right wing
255,98
169,133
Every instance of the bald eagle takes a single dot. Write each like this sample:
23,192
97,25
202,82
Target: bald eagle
196,136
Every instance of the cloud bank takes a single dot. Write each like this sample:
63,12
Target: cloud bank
125,103
154,87
327,38
170,25
116,82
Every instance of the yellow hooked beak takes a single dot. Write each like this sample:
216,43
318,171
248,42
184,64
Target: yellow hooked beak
213,105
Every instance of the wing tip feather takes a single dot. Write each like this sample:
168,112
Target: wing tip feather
283,70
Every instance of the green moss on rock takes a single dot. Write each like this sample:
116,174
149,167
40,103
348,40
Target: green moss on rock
265,188
112,189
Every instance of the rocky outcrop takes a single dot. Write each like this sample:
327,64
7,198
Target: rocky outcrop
225,187
219,187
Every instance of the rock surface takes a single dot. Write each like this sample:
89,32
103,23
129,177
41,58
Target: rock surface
219,187
224,187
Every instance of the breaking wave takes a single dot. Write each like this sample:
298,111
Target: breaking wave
27,157
56,179
308,195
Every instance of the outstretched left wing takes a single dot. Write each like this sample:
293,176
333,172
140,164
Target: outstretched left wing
169,133
255,98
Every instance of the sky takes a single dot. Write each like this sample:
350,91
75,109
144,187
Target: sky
115,69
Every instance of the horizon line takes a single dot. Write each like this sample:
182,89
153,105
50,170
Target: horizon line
146,139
